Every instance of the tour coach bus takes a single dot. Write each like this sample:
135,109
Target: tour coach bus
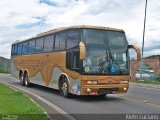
80,60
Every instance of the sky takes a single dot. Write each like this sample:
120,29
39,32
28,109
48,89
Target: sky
22,19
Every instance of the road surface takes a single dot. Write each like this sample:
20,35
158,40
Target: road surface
138,100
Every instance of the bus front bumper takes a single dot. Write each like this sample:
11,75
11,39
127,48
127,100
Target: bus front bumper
104,89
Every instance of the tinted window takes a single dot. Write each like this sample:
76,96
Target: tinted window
72,60
25,48
15,49
12,51
48,43
69,59
60,41
73,38
19,48
39,45
76,59
31,46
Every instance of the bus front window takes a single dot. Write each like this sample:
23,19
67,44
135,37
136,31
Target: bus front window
106,52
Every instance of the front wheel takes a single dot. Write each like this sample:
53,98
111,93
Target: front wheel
102,95
65,88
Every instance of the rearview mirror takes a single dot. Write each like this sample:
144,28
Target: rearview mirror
82,51
137,51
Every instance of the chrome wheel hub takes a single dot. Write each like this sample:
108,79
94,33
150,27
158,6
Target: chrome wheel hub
64,88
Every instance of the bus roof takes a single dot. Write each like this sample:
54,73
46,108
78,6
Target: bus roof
71,27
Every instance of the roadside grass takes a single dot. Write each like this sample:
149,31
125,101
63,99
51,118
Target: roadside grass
17,106
147,81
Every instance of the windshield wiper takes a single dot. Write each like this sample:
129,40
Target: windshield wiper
103,63
113,60
101,66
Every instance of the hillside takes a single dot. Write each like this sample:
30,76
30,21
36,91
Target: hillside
5,65
153,56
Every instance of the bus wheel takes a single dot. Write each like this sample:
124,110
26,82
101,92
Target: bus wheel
21,80
65,88
27,84
102,95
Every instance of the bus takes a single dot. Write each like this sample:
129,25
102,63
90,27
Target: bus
77,60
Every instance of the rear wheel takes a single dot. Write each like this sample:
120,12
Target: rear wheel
21,80
65,88
27,84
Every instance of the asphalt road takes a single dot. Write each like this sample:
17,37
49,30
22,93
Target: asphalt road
138,100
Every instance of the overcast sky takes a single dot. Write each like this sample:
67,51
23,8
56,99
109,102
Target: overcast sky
21,19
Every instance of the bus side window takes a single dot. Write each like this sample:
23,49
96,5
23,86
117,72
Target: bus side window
73,38
60,41
31,46
25,48
69,59
12,51
19,48
39,45
76,60
48,43
15,49
72,60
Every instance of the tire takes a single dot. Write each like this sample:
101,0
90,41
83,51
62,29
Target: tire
21,78
102,96
65,88
26,80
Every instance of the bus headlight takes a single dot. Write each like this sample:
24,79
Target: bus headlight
89,82
95,82
92,82
124,82
88,90
124,89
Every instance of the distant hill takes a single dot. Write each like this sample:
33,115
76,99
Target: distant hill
153,56
5,65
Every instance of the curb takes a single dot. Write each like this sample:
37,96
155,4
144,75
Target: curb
145,85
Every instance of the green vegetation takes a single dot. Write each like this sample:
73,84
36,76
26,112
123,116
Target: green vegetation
16,106
5,70
157,77
153,80
153,56
5,65
148,82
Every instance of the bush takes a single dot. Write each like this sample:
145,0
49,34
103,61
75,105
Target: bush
4,70
157,77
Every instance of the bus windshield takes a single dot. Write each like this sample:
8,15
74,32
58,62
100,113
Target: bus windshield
106,52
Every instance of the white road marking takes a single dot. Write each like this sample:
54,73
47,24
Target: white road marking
53,106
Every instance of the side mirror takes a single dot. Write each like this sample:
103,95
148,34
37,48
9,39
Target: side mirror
137,51
82,51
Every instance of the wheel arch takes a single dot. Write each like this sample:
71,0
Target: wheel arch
20,73
60,81
26,72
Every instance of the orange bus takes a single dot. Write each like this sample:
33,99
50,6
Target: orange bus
80,60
